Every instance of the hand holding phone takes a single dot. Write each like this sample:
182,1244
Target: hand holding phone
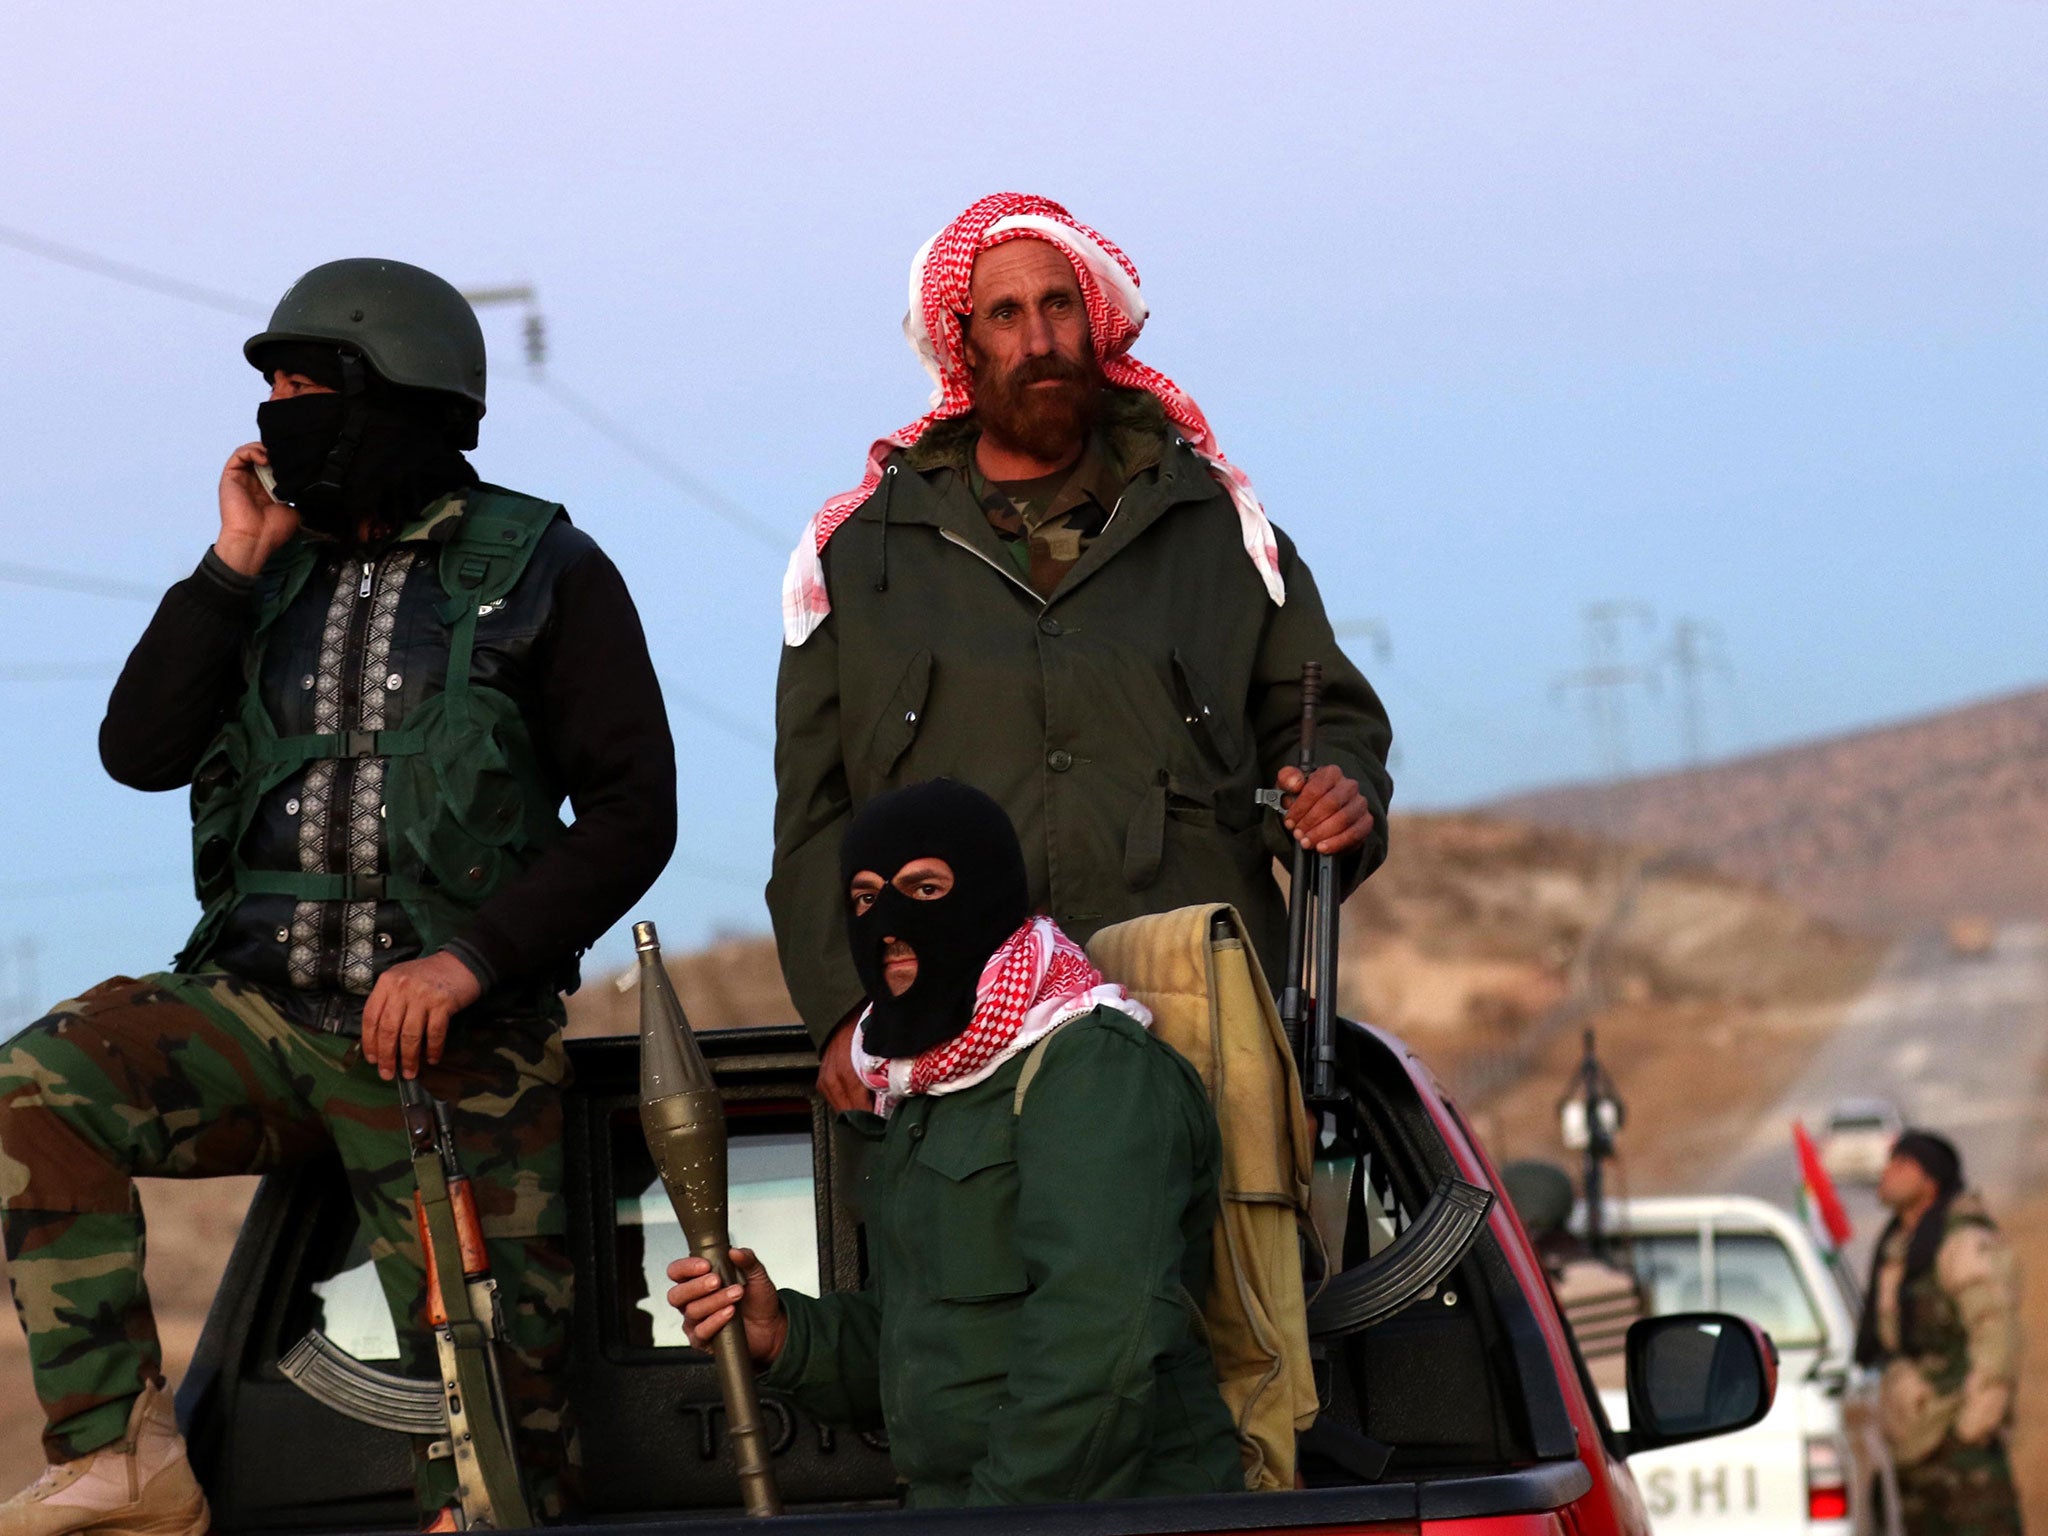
253,522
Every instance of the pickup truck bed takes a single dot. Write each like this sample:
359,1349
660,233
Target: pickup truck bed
1477,1388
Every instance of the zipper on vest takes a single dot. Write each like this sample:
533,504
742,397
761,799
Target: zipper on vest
334,914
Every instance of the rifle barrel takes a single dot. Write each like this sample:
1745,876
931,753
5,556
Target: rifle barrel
1296,986
1311,706
1322,1067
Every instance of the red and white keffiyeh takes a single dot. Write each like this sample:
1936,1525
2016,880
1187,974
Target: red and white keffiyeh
1038,980
939,278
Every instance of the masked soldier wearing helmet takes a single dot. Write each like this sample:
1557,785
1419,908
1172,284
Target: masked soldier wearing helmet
380,686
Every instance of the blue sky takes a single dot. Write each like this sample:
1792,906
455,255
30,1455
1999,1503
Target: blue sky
1736,309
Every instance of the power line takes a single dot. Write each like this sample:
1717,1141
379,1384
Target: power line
535,336
78,581
706,495
726,720
36,890
1373,629
713,501
126,272
60,672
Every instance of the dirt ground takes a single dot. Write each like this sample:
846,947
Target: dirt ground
1695,1075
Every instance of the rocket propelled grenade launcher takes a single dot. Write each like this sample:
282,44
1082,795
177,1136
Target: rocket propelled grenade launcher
684,1123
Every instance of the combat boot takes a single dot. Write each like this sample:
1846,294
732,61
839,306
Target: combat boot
141,1485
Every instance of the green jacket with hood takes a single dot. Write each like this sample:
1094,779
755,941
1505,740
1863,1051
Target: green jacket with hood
1028,1334
1125,723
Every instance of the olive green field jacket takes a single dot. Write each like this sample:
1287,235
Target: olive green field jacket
1125,723
1028,1334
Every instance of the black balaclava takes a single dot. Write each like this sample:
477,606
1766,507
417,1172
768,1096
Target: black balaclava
1941,1162
953,936
370,452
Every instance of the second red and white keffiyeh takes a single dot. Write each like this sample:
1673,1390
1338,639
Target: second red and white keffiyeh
1038,980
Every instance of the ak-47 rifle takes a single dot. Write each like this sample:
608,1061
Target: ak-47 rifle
1430,1246
1309,989
465,1411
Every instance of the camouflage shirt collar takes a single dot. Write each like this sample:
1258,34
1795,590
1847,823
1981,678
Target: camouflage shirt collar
436,523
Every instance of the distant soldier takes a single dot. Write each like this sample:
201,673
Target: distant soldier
380,685
1942,1319
1055,587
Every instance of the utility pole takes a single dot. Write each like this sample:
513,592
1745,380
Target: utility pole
1590,1114
1606,680
534,330
1696,650
1374,630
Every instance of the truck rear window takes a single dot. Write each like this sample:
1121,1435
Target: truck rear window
1747,1273
774,1211
1757,1279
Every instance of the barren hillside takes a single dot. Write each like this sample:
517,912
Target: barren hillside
1890,829
1489,945
730,983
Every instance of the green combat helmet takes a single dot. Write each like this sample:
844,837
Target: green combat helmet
411,328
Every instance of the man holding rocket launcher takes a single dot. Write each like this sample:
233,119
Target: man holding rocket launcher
1037,1257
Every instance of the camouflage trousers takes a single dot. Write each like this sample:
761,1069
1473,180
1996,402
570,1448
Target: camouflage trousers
1961,1490
178,1076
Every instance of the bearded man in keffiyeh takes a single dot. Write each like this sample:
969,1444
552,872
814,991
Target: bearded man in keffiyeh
1055,586
1040,1189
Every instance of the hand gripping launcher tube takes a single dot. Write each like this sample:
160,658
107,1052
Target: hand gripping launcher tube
465,1411
684,1122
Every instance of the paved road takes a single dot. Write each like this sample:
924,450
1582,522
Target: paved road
1960,1045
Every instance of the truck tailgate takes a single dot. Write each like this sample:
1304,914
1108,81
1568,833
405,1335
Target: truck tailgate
1516,1503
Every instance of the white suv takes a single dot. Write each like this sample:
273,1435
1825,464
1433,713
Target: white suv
1817,1463
1857,1141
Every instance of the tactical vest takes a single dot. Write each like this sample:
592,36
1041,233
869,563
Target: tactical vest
1931,1329
465,804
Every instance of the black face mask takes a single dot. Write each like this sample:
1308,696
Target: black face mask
398,458
299,434
953,936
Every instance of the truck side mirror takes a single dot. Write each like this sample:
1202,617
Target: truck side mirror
1695,1374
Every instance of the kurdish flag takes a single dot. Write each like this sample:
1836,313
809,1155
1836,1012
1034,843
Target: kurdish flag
1819,1202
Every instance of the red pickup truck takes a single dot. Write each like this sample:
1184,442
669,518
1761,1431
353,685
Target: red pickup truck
1473,1401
